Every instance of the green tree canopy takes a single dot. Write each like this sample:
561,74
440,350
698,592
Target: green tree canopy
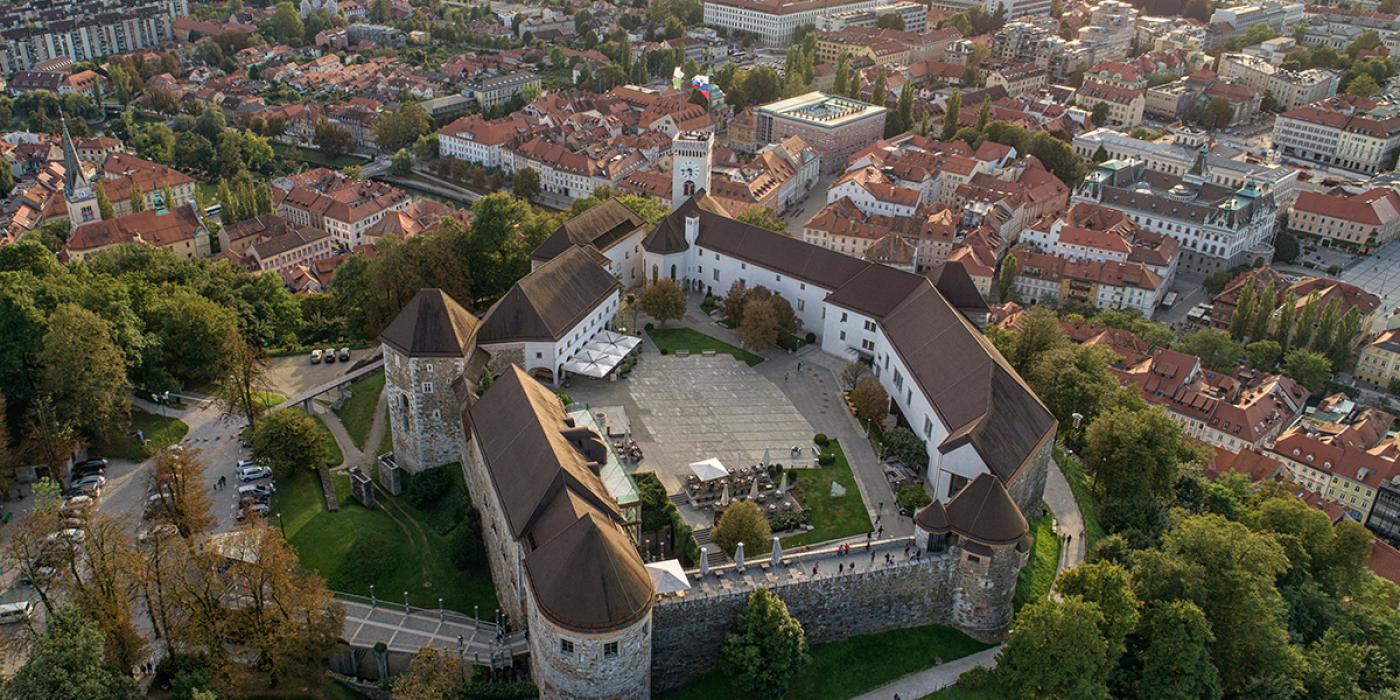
1056,650
289,440
66,662
766,648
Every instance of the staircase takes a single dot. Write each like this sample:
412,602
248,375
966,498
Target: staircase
717,555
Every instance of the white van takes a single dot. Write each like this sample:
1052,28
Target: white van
11,613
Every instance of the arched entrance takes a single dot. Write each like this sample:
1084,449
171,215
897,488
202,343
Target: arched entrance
673,273
544,374
655,274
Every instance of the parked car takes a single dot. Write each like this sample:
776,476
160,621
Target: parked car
16,612
249,463
71,534
259,509
98,479
329,355
344,355
254,473
315,357
41,573
89,463
88,488
76,505
86,470
152,531
265,489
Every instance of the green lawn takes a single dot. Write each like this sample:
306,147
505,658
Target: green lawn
386,441
833,517
268,399
395,547
956,693
357,413
1083,495
335,456
676,339
849,667
1039,574
160,431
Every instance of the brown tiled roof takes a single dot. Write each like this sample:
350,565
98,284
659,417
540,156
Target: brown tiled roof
983,511
150,227
583,569
601,226
548,302
1378,206
432,325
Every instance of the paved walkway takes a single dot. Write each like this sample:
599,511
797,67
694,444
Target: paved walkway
1068,520
410,629
932,680
816,392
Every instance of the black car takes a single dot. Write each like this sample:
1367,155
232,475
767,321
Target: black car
88,470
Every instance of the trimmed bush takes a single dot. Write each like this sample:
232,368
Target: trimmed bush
649,326
811,338
913,497
826,459
821,439
427,486
789,520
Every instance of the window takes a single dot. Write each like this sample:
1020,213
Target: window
868,345
870,326
539,356
566,646
801,305
843,316
843,335
609,650
928,428
427,387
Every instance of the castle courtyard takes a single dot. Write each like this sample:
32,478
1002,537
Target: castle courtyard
686,409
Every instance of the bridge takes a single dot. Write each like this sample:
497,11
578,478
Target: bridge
304,398
406,629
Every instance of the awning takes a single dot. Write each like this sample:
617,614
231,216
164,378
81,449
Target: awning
601,354
709,470
668,576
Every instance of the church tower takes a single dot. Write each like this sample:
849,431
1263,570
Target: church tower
690,165
78,193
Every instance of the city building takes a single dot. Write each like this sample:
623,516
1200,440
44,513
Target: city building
774,21
1101,284
498,90
324,199
610,229
298,246
1289,89
1379,361
1360,222
1346,132
836,127
914,16
1281,16
1348,474
83,31
1216,226
1125,105
1176,154
179,231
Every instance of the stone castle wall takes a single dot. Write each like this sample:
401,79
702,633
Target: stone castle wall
1028,488
689,631
614,664
426,424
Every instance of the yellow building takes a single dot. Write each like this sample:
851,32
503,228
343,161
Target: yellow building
1379,363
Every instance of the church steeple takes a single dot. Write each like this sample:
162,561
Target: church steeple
77,190
1199,174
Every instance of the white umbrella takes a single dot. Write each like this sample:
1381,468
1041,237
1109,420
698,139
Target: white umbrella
704,561
753,490
668,576
709,470
739,555
777,551
782,484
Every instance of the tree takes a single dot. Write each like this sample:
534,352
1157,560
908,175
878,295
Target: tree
1107,586
1074,379
763,217
526,183
1038,332
84,372
1218,114
401,127
1283,329
890,21
1311,369
402,163
284,26
1172,647
951,110
98,581
733,303
984,117
759,327
193,152
742,522
66,662
903,443
1263,354
228,157
191,331
903,113
1099,115
1055,650
104,205
289,440
182,499
1216,349
869,400
433,674
332,139
1101,155
766,648
1349,333
1240,320
663,301
241,388
843,69
48,439
1134,454
1006,282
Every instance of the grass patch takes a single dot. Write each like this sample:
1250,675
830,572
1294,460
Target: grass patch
833,517
267,400
672,340
357,412
880,659
1039,575
1073,470
393,547
334,455
386,441
160,432
953,692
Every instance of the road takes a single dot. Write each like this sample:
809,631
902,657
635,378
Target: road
816,199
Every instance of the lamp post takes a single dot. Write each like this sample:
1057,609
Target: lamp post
283,524
439,609
405,601
372,602
476,613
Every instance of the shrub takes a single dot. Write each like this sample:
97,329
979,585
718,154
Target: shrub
515,690
821,439
826,459
742,522
564,398
468,550
649,326
664,351
975,678
913,497
789,342
775,472
789,520
427,486
811,338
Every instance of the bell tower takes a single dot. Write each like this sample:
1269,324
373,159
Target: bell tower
690,165
78,193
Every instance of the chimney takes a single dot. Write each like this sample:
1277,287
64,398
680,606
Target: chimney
692,229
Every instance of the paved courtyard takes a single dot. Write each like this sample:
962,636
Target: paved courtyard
1379,274
685,409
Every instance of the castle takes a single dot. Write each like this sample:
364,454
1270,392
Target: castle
562,546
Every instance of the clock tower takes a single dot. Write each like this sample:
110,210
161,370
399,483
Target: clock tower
690,165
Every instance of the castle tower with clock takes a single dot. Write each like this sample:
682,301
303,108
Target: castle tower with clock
690,165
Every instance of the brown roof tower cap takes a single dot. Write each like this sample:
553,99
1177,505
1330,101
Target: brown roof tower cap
432,325
984,511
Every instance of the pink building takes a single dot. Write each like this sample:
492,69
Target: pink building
835,126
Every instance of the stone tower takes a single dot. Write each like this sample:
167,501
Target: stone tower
690,165
986,533
78,193
428,347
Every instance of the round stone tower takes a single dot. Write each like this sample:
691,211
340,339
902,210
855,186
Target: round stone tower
982,527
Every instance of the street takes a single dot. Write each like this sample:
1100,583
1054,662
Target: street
816,199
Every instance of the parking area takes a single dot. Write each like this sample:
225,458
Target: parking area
290,375
686,409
